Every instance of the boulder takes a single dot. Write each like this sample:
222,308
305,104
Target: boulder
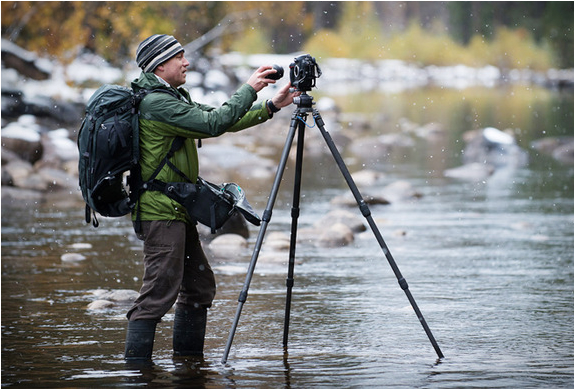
25,62
23,138
493,147
100,304
277,241
227,245
336,235
367,177
351,220
225,163
400,190
560,148
348,200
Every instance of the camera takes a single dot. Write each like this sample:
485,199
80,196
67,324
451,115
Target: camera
303,72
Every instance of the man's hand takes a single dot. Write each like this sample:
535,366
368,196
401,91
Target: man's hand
259,79
284,97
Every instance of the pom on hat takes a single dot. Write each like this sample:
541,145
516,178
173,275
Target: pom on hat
155,50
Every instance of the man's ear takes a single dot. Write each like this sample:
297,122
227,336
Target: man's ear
159,69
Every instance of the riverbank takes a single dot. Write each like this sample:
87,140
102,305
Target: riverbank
43,102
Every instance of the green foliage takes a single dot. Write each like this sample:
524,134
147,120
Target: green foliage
252,41
510,49
534,35
418,45
517,49
327,43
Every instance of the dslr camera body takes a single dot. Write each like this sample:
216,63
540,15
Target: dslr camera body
303,72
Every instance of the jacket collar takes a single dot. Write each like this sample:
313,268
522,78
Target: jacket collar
151,81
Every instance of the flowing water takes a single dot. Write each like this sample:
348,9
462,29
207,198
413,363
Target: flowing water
489,263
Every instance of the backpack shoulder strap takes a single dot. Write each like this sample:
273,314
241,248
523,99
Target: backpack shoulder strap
177,144
142,93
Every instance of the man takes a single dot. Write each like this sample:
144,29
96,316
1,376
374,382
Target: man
176,269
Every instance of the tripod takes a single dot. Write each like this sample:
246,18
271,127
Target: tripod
304,106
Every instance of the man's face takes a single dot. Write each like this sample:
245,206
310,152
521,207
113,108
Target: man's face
174,70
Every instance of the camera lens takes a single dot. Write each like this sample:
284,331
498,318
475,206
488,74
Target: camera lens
279,73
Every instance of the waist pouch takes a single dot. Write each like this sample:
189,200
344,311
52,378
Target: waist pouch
207,203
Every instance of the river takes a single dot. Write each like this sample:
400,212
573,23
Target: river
489,263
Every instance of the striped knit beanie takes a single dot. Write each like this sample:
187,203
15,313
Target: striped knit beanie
155,50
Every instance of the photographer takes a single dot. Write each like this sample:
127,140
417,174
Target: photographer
176,268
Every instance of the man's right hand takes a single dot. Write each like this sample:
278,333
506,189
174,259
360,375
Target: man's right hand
259,79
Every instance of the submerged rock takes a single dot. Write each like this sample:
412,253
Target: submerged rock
560,148
473,172
119,295
100,304
72,257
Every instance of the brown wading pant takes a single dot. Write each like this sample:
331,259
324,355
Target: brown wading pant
175,268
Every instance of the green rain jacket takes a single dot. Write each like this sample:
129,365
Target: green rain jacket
164,117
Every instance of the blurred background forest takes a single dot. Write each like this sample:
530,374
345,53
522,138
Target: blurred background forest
536,35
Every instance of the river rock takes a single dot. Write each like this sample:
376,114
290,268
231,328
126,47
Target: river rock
472,172
370,148
348,199
227,245
23,138
225,163
20,198
334,236
277,241
493,147
58,149
16,171
116,295
560,148
400,190
106,299
100,304
367,177
351,220
71,257
25,62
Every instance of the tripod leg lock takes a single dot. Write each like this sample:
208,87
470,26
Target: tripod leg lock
243,296
403,283
295,212
267,216
364,208
289,282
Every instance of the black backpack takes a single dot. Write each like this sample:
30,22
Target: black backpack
108,142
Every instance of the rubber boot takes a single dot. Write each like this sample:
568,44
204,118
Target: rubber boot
140,340
189,331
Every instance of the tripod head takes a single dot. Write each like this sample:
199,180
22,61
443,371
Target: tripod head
304,102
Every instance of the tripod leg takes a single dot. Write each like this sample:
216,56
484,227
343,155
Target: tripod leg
295,215
266,217
367,214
